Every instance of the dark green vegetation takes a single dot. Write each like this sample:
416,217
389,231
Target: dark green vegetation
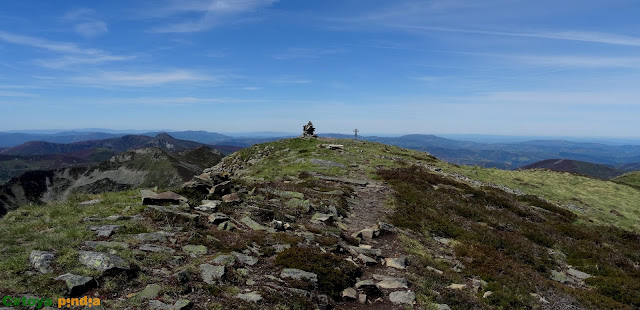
334,273
514,243
576,166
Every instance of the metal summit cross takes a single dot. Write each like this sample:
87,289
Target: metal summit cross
355,131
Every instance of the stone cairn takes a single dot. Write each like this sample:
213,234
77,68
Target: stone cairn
308,131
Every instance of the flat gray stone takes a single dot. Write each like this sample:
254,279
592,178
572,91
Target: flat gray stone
393,283
402,297
398,262
369,287
218,218
579,274
299,275
367,260
224,259
209,206
350,293
76,284
102,262
156,248
150,292
360,250
41,260
195,249
252,224
245,259
250,297
210,273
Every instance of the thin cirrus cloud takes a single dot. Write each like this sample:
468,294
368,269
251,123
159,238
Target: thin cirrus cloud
211,13
301,53
593,37
145,79
72,54
86,22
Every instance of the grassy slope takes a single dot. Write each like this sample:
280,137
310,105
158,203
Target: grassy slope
58,228
631,178
603,202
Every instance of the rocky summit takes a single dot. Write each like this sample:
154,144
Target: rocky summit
318,223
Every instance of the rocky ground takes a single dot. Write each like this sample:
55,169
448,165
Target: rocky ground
304,224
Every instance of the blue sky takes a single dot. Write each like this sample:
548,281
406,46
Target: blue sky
509,67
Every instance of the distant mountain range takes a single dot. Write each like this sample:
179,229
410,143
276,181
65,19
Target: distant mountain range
142,167
512,155
41,155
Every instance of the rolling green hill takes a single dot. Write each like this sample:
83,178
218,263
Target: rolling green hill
630,178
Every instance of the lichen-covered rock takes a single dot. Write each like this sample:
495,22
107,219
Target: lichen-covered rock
102,261
299,275
195,249
210,273
41,260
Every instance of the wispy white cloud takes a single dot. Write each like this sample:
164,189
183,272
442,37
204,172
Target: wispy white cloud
297,53
578,61
290,80
15,94
62,62
72,53
554,98
593,37
87,24
143,79
211,13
